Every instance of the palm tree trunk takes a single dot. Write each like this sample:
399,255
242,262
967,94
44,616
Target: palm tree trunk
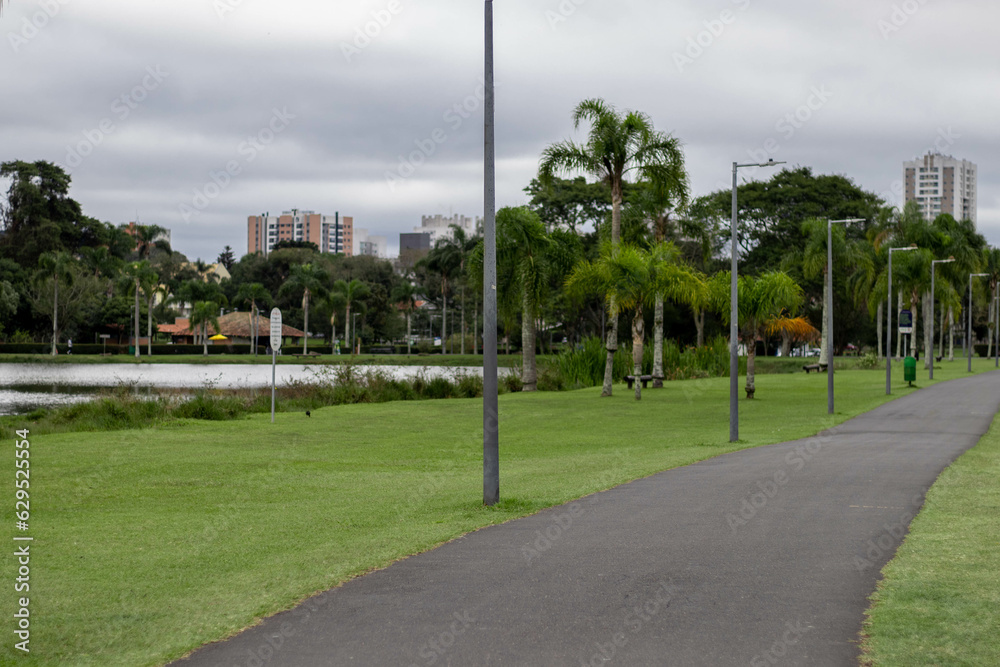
786,344
658,343
951,333
529,371
55,315
611,345
699,325
305,344
751,365
347,326
463,319
637,338
928,339
408,337
941,336
878,330
204,339
149,328
137,319
444,323
913,336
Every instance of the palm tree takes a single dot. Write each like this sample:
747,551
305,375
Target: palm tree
58,267
146,238
618,144
990,265
445,260
203,314
310,279
253,293
814,263
347,295
631,278
761,301
149,283
405,296
133,277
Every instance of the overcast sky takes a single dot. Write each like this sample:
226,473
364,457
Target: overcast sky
194,114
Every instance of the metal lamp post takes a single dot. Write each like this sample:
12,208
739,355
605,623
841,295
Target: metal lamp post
734,359
934,264
996,330
491,412
968,336
829,308
888,331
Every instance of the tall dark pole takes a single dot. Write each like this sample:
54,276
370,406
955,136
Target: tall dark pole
969,334
491,412
934,264
829,317
734,362
888,333
996,329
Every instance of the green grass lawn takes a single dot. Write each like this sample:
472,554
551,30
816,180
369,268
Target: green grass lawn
504,360
939,603
151,543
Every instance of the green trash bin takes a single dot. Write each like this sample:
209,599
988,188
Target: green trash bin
909,369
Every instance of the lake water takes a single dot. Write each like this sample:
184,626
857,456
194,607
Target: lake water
25,387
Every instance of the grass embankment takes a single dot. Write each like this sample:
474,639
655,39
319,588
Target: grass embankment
150,543
939,603
504,360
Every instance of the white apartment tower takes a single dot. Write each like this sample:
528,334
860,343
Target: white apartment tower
941,184
439,226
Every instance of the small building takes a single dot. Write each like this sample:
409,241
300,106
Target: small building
234,326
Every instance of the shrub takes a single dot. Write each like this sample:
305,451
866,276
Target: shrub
870,361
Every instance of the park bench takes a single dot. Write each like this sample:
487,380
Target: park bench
819,368
630,379
382,349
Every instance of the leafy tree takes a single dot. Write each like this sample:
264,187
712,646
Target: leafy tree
618,144
761,303
571,204
57,267
253,293
310,280
203,314
405,296
444,261
147,238
632,278
348,295
9,300
288,244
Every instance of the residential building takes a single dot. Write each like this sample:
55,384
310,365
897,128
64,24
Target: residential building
331,233
439,226
941,184
369,244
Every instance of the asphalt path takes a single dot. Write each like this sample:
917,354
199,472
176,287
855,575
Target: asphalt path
761,557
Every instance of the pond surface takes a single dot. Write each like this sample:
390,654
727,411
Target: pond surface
25,387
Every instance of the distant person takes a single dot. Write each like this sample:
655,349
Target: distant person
70,344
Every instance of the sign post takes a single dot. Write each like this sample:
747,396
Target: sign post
104,342
275,346
906,327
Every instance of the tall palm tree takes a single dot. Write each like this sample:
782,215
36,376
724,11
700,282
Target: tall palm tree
761,302
149,283
405,296
631,278
132,278
310,279
253,293
445,260
205,313
59,267
147,238
619,143
347,295
814,263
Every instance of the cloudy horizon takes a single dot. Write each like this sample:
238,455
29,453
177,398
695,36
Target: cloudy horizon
197,114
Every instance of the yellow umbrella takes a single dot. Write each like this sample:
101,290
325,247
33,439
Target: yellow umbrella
218,337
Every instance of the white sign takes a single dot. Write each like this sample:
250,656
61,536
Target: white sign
275,329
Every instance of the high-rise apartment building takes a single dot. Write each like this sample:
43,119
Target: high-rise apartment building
370,244
331,233
941,184
439,226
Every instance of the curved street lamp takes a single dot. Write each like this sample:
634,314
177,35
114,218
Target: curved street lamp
734,359
888,332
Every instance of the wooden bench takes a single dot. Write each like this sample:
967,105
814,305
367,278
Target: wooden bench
630,379
819,368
